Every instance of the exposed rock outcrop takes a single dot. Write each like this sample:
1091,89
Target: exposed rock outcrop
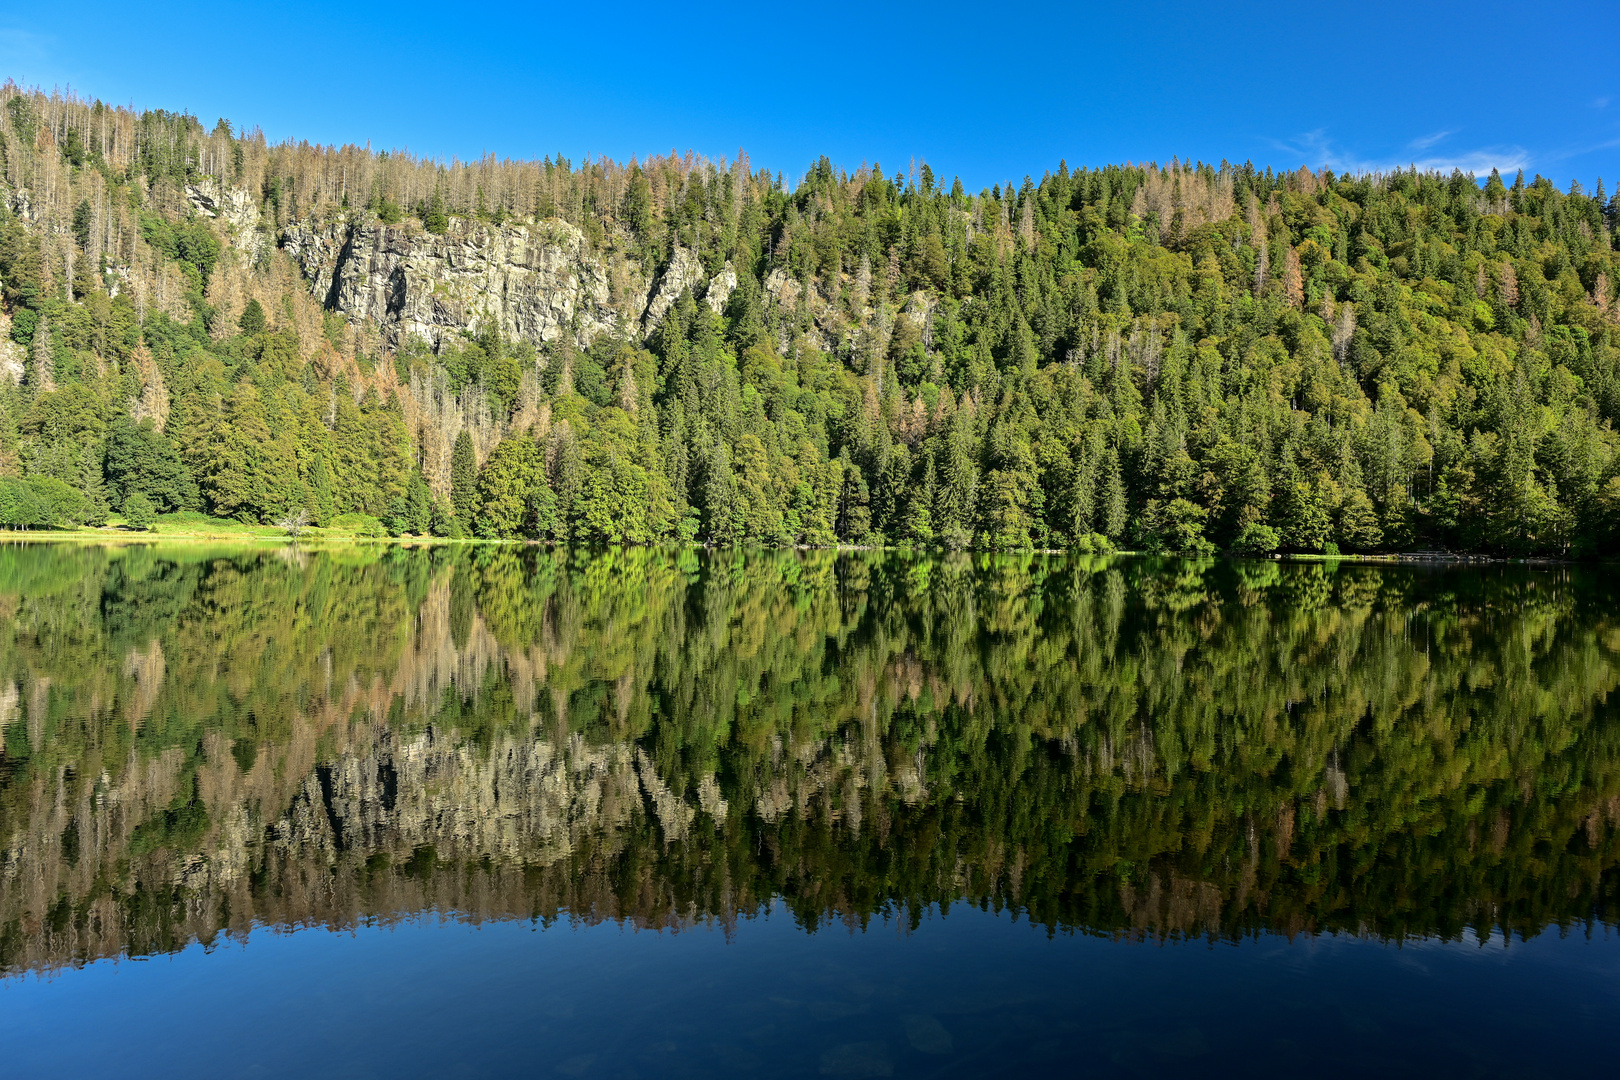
683,272
534,283
543,282
12,357
721,288
238,209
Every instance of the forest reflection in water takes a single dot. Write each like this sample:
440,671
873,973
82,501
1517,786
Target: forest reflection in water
197,741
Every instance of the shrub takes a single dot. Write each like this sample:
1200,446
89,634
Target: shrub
139,512
359,524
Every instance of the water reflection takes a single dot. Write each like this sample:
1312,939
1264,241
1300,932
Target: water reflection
197,741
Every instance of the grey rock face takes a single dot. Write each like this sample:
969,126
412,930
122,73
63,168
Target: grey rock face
11,354
237,208
534,283
720,289
683,272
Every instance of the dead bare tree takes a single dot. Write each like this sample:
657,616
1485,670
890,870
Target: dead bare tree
295,522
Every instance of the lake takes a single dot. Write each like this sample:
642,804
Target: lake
506,811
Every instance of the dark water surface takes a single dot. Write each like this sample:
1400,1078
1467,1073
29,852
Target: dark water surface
659,813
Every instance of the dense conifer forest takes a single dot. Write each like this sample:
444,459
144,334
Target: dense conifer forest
1172,357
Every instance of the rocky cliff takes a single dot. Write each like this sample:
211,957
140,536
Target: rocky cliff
538,283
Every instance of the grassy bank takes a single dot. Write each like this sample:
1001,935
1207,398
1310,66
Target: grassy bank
194,526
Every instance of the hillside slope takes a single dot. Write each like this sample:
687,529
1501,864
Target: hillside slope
1180,358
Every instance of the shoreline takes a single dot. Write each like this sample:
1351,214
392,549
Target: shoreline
269,534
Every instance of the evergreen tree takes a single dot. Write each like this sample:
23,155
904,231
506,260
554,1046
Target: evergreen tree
722,514
91,486
353,465
420,505
1113,497
252,321
139,512
319,501
235,479
463,478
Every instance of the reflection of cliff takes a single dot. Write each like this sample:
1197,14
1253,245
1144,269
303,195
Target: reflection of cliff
195,745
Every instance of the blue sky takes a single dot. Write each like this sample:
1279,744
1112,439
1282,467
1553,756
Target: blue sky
987,92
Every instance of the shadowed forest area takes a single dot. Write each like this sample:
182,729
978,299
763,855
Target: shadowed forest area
197,741
1178,358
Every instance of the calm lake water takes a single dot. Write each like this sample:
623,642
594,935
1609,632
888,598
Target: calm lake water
495,811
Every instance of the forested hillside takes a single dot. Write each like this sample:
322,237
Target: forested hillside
1169,357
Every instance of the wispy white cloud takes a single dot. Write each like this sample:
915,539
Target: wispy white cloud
1600,103
1316,148
1427,140
1504,159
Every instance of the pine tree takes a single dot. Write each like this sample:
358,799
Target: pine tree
1303,521
390,448
1113,497
252,321
854,520
318,494
91,486
956,489
463,479
279,489
1358,522
719,506
315,454
1077,502
420,504
441,520
919,499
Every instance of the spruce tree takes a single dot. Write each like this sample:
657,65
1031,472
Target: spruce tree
1113,497
419,501
318,500
232,473
353,466
252,321
464,480
91,485
720,509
